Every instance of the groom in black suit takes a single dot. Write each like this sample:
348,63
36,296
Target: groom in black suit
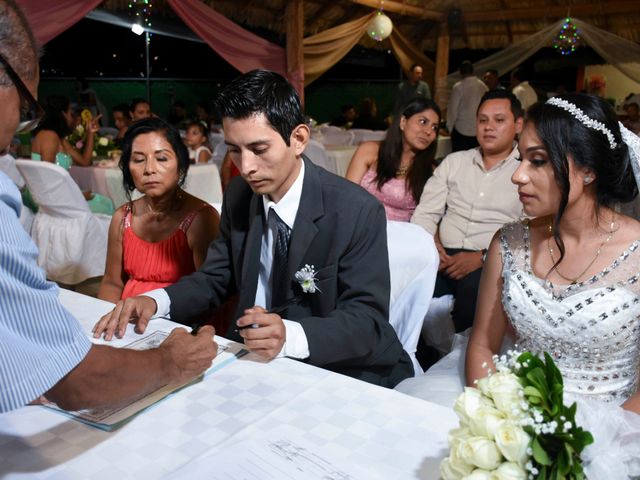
305,250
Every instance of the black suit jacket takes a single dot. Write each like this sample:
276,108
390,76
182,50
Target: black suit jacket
339,229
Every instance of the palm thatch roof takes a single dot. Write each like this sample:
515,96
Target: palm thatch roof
485,24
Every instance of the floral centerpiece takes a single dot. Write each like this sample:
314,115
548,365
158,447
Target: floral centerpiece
514,425
102,145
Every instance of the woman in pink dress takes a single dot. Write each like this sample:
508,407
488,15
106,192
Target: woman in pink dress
163,235
396,169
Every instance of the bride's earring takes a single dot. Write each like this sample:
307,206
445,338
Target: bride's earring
587,180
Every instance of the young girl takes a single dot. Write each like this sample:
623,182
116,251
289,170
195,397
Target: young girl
196,140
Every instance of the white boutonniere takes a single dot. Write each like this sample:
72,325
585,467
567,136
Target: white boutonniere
306,277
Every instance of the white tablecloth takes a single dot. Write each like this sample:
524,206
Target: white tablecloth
342,155
358,425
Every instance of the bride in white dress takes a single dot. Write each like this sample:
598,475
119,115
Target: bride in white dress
567,281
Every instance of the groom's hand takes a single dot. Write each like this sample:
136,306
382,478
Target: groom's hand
263,333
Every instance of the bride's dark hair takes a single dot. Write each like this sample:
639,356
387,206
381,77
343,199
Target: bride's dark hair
563,134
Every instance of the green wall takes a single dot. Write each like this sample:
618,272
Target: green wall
322,99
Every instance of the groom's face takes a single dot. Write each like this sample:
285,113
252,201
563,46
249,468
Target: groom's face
265,161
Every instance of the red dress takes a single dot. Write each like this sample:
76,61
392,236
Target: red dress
151,265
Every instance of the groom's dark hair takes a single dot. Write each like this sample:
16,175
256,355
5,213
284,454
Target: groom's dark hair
262,92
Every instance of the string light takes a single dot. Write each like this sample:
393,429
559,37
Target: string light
567,39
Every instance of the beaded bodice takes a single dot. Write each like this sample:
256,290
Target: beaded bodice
591,329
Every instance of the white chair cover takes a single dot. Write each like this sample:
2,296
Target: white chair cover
363,135
335,136
111,132
413,260
8,166
219,151
318,155
203,181
72,241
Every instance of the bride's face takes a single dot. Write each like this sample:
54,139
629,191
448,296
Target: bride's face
534,177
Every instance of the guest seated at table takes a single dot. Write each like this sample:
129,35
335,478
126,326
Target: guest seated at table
346,117
396,169
368,116
139,109
305,250
50,145
121,120
197,142
163,235
632,122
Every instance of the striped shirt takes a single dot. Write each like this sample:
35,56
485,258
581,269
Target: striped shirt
40,342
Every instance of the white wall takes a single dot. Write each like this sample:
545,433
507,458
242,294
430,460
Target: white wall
618,84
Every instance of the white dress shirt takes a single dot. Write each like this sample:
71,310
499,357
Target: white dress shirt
468,202
463,105
526,94
296,344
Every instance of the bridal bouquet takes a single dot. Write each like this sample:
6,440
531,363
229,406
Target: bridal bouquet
514,425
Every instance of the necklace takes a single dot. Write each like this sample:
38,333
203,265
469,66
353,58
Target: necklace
402,170
575,279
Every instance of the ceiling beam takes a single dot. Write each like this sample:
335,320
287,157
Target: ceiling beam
577,10
403,9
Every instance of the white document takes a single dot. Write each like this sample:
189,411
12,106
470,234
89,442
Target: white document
283,458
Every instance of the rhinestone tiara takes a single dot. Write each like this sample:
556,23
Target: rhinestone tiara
584,119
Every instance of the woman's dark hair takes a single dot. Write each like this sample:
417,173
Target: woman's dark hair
148,125
563,134
390,153
54,107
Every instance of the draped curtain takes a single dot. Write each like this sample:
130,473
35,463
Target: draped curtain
323,50
617,51
407,55
50,18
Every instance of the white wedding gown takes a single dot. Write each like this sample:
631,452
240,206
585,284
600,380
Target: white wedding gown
592,331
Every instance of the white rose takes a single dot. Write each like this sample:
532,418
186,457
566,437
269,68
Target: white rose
479,474
458,464
509,471
94,154
80,129
468,403
481,452
103,141
513,441
504,389
448,473
458,434
483,386
486,421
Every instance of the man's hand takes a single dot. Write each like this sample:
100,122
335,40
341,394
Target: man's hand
134,309
267,339
462,264
186,356
445,258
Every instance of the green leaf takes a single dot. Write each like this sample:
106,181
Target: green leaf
539,453
532,392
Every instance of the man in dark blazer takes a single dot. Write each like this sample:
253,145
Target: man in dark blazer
336,236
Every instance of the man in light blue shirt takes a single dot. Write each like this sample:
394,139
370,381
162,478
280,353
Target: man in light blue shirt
43,350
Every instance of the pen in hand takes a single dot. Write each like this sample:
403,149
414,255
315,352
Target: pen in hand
277,310
194,329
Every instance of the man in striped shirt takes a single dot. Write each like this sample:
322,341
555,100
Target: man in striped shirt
43,350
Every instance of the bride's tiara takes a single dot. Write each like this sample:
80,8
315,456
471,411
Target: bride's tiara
584,119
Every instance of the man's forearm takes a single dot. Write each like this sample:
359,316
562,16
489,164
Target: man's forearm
110,377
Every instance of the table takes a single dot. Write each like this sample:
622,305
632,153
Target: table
203,181
342,155
383,432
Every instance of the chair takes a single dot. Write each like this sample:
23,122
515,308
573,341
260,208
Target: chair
219,151
8,166
335,136
363,135
203,181
72,241
413,261
318,155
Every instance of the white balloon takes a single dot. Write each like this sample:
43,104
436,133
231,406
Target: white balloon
380,27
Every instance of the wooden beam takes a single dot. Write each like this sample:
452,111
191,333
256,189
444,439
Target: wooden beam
442,65
294,19
576,9
403,9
